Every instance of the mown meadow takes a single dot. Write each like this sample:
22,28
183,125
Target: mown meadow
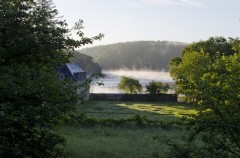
107,129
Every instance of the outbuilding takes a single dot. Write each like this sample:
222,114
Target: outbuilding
77,74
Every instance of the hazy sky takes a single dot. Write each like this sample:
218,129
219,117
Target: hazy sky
174,20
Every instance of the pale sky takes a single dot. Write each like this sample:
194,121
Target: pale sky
134,20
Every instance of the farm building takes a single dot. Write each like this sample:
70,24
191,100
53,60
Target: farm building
77,74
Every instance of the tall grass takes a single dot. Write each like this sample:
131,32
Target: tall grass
105,142
124,141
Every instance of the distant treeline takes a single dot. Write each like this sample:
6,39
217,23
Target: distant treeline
136,55
86,63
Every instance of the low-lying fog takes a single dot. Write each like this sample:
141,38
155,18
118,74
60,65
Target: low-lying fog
112,79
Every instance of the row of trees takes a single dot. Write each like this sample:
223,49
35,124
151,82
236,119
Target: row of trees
208,74
34,41
132,86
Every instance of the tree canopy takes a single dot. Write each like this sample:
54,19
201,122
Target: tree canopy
212,46
194,63
154,87
130,85
34,41
209,75
219,126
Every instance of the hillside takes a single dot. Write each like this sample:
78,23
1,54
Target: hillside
153,55
86,62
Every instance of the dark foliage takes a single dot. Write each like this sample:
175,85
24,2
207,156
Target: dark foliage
33,42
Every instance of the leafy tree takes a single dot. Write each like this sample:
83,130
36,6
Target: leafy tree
219,126
195,60
188,73
130,85
212,46
154,87
173,65
33,43
215,82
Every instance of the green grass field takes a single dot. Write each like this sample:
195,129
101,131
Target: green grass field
152,110
124,142
105,142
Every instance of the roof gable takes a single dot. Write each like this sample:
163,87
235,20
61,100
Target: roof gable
73,71
74,68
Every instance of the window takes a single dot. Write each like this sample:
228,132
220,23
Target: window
62,77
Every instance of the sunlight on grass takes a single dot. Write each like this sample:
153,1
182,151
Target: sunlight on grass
124,141
152,110
177,111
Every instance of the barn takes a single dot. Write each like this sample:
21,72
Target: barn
77,74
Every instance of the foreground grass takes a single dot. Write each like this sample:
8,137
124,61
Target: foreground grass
105,142
124,141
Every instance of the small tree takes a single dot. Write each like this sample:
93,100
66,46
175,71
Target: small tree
154,87
130,85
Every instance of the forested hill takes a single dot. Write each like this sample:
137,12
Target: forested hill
136,55
86,62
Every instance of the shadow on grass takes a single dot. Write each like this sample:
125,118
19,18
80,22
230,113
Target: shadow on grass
152,110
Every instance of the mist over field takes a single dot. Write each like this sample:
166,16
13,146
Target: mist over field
142,60
112,79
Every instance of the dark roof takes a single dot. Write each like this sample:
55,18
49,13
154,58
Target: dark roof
73,71
74,68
